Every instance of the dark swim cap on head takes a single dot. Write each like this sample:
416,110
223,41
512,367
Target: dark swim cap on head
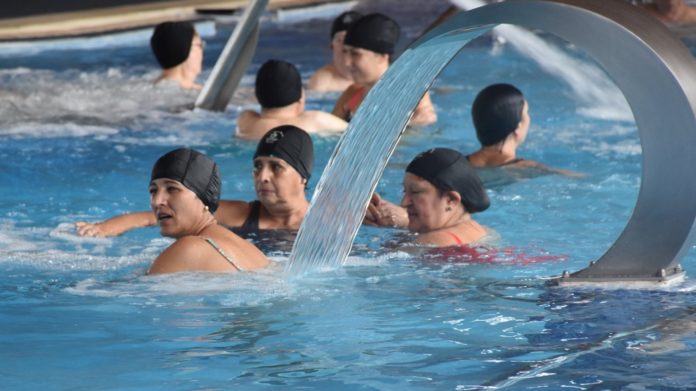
343,21
291,144
171,43
375,32
497,110
278,84
448,170
194,170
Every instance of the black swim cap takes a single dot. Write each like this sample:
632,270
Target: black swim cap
497,110
194,170
278,84
376,32
343,21
291,144
448,170
171,43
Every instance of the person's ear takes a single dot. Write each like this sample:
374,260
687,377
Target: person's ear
453,198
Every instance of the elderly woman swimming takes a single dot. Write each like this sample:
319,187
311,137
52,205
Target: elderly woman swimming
441,192
184,194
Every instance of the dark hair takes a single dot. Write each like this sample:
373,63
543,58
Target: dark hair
291,144
171,43
278,84
448,170
497,111
376,32
194,170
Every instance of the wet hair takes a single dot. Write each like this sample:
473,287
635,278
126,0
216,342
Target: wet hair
171,43
194,170
497,111
449,170
291,144
376,32
344,21
278,84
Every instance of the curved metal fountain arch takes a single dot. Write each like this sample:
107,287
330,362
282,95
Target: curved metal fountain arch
652,68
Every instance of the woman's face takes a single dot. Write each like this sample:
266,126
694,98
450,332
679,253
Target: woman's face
424,203
178,209
276,182
365,66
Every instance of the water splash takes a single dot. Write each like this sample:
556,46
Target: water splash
598,96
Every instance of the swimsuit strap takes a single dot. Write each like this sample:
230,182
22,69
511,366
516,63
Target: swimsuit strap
219,250
251,224
513,161
354,101
456,238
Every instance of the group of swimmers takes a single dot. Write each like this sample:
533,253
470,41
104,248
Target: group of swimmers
362,49
441,186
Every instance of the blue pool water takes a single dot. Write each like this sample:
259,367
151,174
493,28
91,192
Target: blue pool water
80,128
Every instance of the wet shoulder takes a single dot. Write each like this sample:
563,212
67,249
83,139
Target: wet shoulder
233,213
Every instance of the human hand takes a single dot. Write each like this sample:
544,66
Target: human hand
373,215
385,214
90,229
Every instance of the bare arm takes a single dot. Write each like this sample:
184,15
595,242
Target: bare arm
245,124
425,112
321,122
116,225
541,167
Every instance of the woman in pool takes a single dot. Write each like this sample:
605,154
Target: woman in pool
441,192
184,194
368,47
179,51
334,76
501,118
282,166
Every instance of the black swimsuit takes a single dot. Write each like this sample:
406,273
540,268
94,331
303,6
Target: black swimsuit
268,239
513,161
252,221
250,227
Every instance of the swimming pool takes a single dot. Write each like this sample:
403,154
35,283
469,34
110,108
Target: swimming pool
81,127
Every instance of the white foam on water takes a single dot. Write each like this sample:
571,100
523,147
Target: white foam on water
38,130
90,98
61,249
256,288
46,104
